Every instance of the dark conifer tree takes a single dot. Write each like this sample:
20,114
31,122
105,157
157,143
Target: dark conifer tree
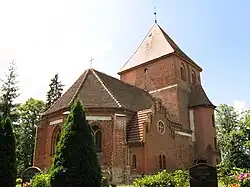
9,92
75,162
55,91
7,155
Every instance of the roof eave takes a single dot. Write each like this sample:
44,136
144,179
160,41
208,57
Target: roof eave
190,61
202,105
144,63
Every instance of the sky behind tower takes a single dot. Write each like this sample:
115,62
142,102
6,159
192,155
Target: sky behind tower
60,36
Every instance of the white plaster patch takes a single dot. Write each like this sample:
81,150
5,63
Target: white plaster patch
56,122
164,88
183,134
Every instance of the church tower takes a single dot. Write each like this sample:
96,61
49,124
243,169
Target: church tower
161,68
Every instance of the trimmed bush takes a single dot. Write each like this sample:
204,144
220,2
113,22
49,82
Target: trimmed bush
8,169
75,162
178,178
41,180
162,179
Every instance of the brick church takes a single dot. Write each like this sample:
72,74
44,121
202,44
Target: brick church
156,116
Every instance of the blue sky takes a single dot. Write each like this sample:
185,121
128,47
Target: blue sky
50,36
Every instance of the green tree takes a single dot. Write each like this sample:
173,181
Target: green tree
9,92
30,113
7,155
233,136
55,91
75,161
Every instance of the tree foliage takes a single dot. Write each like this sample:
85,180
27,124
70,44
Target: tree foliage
9,92
233,133
55,91
75,161
7,154
30,113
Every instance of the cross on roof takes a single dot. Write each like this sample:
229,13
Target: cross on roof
91,60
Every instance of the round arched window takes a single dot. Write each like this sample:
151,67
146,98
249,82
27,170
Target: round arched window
161,127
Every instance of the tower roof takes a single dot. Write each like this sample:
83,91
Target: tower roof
155,45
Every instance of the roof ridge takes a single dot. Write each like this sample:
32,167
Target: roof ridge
133,86
138,47
80,85
106,88
64,94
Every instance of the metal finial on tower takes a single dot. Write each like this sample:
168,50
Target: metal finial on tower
155,14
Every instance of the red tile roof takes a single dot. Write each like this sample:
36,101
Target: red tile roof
136,126
155,45
96,89
198,97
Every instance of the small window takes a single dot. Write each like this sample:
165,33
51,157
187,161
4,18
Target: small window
146,70
161,127
183,73
194,78
134,162
215,143
162,161
213,121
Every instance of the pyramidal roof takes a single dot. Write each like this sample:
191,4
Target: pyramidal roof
155,45
99,90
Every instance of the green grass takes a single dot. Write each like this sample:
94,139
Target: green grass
18,185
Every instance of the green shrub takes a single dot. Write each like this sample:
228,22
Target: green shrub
75,162
162,179
41,180
18,181
180,178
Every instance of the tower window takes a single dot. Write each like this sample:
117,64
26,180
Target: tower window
134,162
145,70
183,72
97,135
162,161
194,78
161,127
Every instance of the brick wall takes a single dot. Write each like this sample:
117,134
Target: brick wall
205,133
160,73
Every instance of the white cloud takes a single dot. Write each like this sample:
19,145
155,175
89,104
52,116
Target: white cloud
240,106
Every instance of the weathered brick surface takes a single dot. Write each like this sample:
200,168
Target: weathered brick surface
160,73
205,134
107,141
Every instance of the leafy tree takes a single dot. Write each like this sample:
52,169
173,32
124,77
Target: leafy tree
55,91
30,113
75,161
9,93
7,155
233,133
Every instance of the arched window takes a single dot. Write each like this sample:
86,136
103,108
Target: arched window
194,78
183,72
134,162
162,161
97,135
55,139
161,127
